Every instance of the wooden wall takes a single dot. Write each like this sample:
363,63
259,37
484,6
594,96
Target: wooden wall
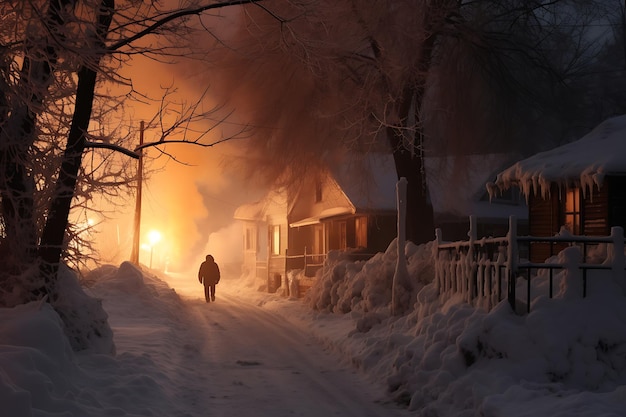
599,210
595,212
617,201
544,219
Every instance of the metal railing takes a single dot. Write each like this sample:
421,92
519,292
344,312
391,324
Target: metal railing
480,268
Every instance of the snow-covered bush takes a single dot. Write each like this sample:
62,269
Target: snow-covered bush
85,321
344,285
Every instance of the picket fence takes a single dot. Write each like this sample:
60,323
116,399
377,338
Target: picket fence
485,271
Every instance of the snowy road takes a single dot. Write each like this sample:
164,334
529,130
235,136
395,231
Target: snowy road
258,364
253,354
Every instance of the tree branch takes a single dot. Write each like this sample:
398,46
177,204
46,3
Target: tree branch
117,148
189,142
178,14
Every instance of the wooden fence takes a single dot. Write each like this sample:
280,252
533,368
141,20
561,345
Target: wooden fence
308,262
484,271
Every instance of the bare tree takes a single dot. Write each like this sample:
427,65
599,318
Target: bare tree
56,56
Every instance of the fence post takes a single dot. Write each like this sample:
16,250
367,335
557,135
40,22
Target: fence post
472,269
511,262
438,265
617,264
473,233
304,268
401,281
438,237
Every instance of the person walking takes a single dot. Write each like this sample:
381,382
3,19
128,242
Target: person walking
209,275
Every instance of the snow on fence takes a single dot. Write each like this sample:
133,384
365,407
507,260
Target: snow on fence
484,271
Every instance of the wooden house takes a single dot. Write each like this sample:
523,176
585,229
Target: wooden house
351,209
265,237
579,187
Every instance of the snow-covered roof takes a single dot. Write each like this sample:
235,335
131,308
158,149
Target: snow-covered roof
324,214
273,202
251,211
584,162
370,183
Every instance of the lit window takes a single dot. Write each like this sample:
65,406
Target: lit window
572,211
318,244
276,240
361,232
343,236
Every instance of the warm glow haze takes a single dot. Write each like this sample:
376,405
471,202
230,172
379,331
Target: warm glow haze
186,199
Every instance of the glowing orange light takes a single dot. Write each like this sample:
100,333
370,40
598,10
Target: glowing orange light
154,237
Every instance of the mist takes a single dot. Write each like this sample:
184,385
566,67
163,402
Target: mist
189,192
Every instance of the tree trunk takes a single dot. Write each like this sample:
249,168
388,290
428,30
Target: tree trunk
420,221
53,235
420,224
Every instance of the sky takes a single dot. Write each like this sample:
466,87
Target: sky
339,351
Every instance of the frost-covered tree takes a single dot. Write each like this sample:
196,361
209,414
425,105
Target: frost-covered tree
409,76
58,62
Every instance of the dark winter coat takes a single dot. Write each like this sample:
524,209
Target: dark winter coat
209,272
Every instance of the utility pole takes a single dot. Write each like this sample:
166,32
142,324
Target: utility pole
134,255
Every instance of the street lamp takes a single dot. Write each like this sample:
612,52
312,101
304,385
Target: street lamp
154,237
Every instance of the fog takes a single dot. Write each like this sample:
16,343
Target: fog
189,192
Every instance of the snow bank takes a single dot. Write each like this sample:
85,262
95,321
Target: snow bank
42,375
365,286
447,358
35,360
85,321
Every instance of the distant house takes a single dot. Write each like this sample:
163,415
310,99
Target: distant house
352,209
265,236
580,186
349,208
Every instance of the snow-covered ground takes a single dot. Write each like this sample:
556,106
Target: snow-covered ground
257,354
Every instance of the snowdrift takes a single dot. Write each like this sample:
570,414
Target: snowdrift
447,358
